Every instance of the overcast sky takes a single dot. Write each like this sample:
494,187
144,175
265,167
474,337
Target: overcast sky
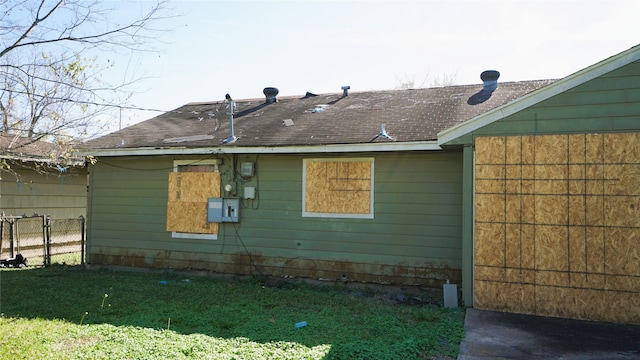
240,47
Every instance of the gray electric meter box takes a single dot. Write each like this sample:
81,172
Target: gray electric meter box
223,210
247,169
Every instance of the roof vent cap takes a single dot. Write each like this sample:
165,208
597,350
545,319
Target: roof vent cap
490,79
345,90
270,93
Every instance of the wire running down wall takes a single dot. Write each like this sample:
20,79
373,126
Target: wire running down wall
557,226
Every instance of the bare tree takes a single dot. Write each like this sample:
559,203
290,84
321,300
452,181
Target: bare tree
52,85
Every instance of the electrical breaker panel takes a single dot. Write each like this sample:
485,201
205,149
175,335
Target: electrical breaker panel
214,210
223,210
230,210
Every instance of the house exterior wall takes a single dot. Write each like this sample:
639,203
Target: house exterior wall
605,105
414,236
62,196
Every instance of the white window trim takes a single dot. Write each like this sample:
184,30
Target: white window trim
176,165
214,162
370,215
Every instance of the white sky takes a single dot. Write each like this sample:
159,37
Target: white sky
240,47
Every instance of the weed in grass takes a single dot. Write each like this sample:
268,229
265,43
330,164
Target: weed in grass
83,316
104,298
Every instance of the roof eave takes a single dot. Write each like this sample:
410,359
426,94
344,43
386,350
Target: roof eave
564,84
44,160
331,148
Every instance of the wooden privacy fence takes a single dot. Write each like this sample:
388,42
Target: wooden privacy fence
42,240
557,225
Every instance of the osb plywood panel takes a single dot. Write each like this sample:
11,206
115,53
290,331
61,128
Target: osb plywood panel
193,186
187,201
189,217
557,226
491,152
340,187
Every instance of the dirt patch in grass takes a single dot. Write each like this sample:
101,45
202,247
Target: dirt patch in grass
70,343
406,295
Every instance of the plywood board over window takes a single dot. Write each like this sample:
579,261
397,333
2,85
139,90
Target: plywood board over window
338,188
189,190
557,225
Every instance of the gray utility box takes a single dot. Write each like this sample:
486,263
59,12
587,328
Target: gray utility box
223,210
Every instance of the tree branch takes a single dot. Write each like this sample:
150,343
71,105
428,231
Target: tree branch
35,23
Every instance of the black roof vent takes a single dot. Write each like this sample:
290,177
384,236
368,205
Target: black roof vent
490,79
490,84
270,93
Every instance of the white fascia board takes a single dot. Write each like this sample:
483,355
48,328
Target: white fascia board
351,148
540,95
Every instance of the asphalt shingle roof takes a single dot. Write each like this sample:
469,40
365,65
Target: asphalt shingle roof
18,147
408,115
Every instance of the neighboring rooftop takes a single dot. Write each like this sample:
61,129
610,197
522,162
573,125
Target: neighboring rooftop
26,149
21,150
327,119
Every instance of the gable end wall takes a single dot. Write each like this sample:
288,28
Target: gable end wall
608,103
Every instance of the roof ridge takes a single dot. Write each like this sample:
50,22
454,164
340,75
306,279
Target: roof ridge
339,94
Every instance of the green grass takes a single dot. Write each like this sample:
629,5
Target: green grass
71,313
70,259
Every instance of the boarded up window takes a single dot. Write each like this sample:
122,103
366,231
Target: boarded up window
338,188
189,191
557,225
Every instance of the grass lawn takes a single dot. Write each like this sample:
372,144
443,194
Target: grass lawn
72,313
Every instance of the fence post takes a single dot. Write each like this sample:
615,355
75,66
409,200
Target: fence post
47,237
1,232
82,240
11,244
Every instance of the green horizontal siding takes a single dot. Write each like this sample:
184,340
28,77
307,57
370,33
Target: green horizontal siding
128,199
417,214
592,106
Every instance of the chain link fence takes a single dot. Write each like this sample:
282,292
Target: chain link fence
43,241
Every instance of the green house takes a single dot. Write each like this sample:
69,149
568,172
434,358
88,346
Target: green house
377,186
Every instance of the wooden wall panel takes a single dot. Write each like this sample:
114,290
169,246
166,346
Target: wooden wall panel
557,226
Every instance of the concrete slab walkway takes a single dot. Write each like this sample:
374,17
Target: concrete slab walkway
496,335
